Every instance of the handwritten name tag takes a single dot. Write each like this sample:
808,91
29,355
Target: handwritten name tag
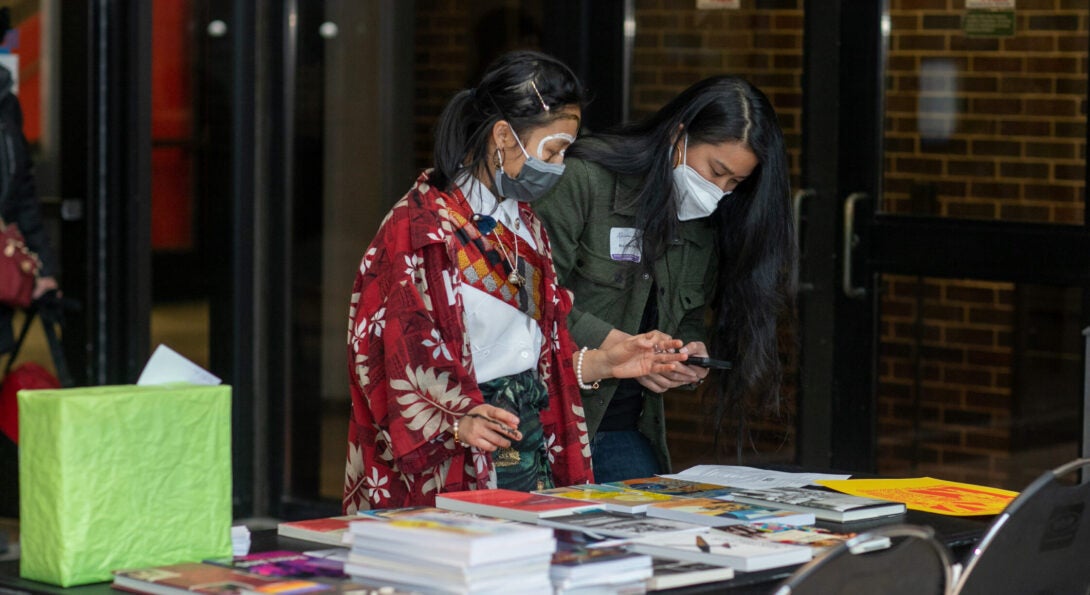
624,244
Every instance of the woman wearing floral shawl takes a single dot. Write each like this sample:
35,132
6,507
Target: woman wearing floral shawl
463,374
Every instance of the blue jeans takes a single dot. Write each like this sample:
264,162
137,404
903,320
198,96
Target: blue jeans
619,455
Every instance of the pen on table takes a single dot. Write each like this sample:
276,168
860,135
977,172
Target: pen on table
703,545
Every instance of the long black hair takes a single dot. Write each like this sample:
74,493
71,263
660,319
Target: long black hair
755,236
504,93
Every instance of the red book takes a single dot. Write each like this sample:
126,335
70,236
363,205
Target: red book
511,504
327,530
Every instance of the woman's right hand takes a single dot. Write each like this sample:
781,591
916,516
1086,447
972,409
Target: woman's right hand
488,427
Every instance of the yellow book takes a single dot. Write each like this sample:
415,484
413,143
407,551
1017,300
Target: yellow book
928,494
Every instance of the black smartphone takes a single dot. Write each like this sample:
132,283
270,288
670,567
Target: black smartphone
707,362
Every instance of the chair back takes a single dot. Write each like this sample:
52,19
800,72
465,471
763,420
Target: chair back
892,560
1041,541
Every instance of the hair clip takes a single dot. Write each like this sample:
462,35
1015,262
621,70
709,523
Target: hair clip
544,105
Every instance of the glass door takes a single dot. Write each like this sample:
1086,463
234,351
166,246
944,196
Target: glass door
958,222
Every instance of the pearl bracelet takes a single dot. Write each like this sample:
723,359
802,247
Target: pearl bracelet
579,372
456,439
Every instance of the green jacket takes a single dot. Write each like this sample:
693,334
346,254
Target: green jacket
581,212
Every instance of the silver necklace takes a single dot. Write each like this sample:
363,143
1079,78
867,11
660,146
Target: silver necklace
514,278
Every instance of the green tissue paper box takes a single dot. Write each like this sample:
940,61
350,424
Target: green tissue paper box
114,477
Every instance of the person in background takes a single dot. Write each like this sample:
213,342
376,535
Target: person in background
463,374
19,201
658,221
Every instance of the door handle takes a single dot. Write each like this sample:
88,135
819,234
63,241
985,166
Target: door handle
800,197
850,241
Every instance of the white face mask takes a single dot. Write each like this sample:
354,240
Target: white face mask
696,196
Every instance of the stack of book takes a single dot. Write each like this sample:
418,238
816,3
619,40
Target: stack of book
667,573
452,554
576,568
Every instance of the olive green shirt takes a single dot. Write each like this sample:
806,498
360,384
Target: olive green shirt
589,215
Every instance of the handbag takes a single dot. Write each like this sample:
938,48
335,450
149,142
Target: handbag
18,267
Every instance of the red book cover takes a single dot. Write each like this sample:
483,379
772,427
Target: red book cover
511,504
327,530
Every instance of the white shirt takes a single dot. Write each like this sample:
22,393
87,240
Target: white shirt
503,339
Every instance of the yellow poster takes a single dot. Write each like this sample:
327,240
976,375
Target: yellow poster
928,494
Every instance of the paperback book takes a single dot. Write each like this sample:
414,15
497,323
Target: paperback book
510,504
284,564
667,573
451,539
407,571
722,548
814,537
825,505
609,497
607,523
327,530
195,577
673,487
718,513
576,567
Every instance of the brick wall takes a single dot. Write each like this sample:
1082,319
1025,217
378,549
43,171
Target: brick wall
979,128
442,65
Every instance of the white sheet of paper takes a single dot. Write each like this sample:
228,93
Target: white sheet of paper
166,365
750,477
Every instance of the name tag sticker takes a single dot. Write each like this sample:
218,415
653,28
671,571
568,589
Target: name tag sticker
624,244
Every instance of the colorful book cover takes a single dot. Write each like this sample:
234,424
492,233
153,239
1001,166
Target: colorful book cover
673,487
389,514
715,512
284,564
327,530
453,539
811,536
598,523
610,497
209,578
929,494
824,504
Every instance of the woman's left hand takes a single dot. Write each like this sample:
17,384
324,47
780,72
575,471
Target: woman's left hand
681,375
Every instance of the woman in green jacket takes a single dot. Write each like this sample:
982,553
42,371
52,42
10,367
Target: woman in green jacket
657,222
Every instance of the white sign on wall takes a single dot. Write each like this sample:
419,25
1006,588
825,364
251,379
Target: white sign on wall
990,4
718,4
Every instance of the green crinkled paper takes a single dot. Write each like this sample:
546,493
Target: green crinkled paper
115,477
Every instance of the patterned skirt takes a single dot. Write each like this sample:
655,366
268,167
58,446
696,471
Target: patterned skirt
524,466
